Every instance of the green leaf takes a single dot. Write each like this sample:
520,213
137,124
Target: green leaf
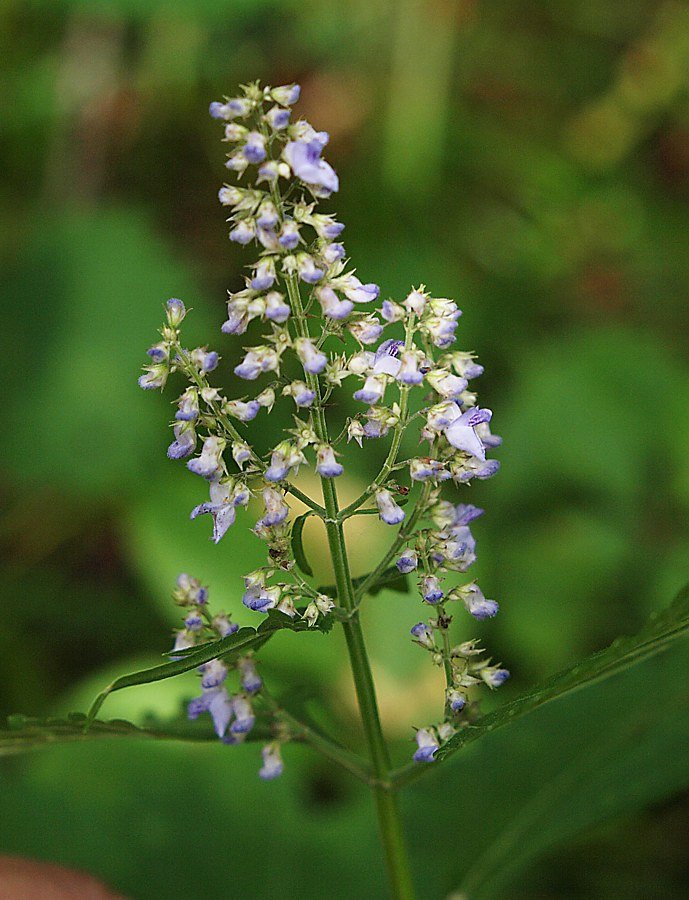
28,733
297,544
597,755
391,579
659,633
227,648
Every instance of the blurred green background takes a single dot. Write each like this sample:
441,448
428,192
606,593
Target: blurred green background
530,160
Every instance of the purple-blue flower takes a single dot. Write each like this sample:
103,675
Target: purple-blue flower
184,443
408,561
209,464
313,360
494,677
250,679
223,507
461,432
304,158
430,589
388,510
245,412
254,149
423,635
244,715
272,762
427,743
326,464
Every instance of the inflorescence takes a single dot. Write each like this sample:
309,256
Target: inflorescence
303,292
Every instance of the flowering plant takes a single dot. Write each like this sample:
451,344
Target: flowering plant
352,377
310,304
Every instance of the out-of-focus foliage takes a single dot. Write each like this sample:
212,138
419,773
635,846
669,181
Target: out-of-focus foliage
531,160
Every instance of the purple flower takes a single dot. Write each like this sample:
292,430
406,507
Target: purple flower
313,360
223,626
456,700
386,361
175,311
326,464
303,396
424,468
408,372
471,468
307,269
430,589
237,319
255,148
462,435
366,331
188,406
494,677
464,513
217,703
333,307
276,508
272,762
244,715
475,602
277,118
267,216
258,599
264,274
289,235
372,391
427,743
391,312
357,292
276,308
184,443
209,465
388,510
224,500
408,561
304,159
286,94
251,680
213,674
332,252
158,353
423,635
250,367
446,384
243,233
245,412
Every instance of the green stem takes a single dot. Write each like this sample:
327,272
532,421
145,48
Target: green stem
300,731
389,821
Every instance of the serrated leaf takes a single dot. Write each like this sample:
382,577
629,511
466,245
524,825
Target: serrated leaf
298,545
660,632
226,648
27,733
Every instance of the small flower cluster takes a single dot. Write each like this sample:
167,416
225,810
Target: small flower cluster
449,547
400,355
232,714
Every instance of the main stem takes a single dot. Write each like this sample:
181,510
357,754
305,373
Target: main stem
389,821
